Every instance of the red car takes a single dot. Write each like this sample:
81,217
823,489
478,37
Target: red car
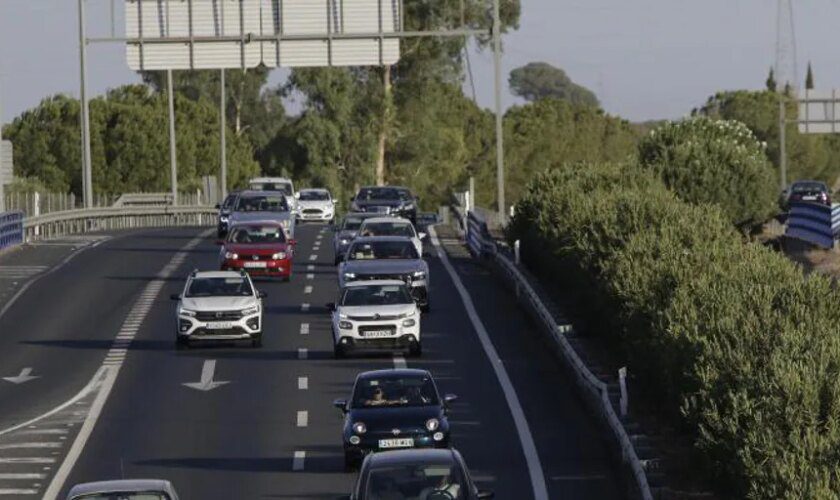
260,248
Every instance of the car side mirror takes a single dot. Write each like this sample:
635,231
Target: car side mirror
341,404
293,242
331,306
450,398
261,294
175,296
422,236
485,494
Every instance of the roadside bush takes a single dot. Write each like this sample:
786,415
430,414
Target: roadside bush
731,340
713,161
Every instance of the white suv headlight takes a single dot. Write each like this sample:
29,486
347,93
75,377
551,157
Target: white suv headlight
251,310
186,312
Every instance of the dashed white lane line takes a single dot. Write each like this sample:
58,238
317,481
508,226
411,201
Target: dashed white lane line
298,460
310,276
399,363
529,448
310,267
18,491
303,383
44,431
313,257
22,475
23,446
27,460
304,329
303,353
302,418
307,290
304,307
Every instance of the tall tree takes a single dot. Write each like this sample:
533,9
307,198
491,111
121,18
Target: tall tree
539,80
809,78
770,83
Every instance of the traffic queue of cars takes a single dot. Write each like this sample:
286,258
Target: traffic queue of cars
396,429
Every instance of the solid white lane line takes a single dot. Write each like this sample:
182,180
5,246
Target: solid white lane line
303,353
310,276
302,418
304,307
304,329
303,383
310,267
399,362
297,462
307,289
532,458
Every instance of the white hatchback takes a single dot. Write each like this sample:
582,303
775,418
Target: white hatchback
376,315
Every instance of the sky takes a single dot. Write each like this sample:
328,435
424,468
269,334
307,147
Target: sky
645,59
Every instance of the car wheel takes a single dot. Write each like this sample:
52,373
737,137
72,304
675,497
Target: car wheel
416,350
256,341
182,344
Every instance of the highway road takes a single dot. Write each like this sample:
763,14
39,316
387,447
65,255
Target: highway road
110,399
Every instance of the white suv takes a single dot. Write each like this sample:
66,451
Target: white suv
219,305
376,315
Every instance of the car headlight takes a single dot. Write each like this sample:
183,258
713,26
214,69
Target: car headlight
279,256
359,428
349,276
224,218
345,325
432,424
419,275
251,310
286,223
408,206
344,241
409,322
231,255
186,312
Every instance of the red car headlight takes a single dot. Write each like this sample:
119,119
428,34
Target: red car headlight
279,256
231,255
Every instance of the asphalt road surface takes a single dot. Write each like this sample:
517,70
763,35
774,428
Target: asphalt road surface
109,398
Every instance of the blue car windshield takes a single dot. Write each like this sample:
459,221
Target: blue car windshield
395,391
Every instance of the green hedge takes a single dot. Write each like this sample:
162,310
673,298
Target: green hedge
730,339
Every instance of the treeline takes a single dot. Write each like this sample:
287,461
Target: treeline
728,339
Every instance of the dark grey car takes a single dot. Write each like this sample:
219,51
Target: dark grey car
387,258
347,231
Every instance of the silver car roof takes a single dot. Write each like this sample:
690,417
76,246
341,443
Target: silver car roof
122,485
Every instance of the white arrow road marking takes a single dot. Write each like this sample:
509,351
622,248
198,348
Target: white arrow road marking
207,383
22,378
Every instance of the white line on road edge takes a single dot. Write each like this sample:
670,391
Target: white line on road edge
399,363
110,371
297,462
303,383
532,458
302,418
304,329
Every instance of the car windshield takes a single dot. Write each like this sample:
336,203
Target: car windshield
416,482
219,287
229,201
257,234
376,295
314,196
370,250
352,223
405,194
124,496
261,203
808,187
401,391
368,194
388,229
283,187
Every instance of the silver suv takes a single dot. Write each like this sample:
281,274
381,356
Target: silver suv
219,305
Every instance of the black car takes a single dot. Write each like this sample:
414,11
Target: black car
806,191
420,474
392,409
224,214
386,200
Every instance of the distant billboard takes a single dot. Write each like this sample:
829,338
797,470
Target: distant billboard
215,34
819,112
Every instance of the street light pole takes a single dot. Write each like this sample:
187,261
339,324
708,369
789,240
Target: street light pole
173,153
87,179
222,130
500,147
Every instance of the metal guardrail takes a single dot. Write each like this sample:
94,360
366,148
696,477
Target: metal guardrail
815,223
11,229
58,224
594,391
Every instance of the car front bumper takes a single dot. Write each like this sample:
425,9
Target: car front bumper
355,338
279,268
247,327
322,216
370,443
